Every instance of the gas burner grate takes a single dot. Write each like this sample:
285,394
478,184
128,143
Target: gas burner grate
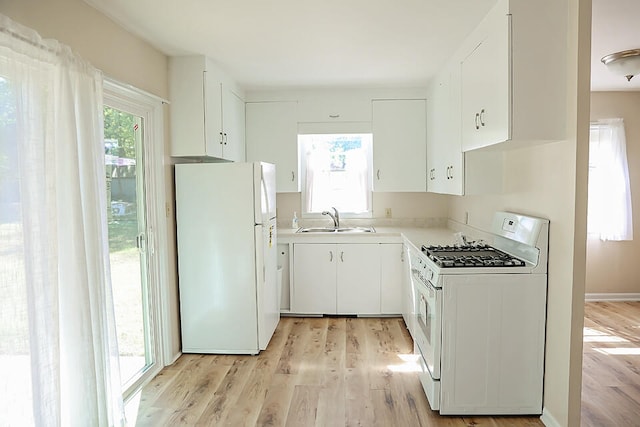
480,255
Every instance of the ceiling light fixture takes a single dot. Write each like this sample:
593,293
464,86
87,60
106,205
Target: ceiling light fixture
625,63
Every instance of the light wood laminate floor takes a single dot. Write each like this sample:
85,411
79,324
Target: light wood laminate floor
611,365
316,372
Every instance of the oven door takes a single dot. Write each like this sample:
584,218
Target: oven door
428,324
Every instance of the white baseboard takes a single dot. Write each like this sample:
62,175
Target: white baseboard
548,420
612,297
175,357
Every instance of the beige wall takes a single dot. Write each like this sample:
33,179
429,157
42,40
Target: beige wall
550,181
612,267
404,206
121,56
118,53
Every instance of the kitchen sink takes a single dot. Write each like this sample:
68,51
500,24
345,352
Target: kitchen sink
337,230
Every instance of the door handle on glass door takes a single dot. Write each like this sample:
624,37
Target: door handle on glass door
141,242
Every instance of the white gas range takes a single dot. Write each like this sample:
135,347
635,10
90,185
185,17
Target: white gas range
479,319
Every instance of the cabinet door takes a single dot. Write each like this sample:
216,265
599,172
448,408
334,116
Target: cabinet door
438,123
337,108
272,136
408,302
452,148
186,84
233,126
213,134
314,279
486,89
493,328
358,279
399,145
392,266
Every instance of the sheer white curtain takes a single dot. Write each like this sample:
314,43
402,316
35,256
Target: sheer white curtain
609,211
57,325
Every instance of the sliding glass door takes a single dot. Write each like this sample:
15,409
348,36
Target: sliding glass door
130,249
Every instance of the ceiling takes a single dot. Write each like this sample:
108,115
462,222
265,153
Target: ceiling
340,43
307,43
614,28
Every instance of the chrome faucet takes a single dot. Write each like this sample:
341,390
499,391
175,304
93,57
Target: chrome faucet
334,216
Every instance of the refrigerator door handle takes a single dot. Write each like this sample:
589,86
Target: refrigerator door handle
265,194
260,255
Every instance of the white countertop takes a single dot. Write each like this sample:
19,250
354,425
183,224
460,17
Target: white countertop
416,235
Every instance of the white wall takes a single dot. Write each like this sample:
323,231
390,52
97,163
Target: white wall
612,267
121,56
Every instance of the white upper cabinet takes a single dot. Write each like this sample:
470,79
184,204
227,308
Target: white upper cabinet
445,160
512,74
272,136
334,108
399,145
233,126
207,113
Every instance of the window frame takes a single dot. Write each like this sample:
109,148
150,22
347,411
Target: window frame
302,174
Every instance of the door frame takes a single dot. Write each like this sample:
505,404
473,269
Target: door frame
150,108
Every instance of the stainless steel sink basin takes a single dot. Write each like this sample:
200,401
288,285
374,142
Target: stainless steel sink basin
337,230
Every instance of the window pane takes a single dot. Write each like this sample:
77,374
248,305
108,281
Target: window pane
336,171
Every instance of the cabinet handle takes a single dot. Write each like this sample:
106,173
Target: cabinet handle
342,256
482,117
378,174
477,118
221,138
451,168
334,116
225,139
293,176
330,256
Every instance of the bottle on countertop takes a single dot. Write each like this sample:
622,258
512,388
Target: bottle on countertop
294,222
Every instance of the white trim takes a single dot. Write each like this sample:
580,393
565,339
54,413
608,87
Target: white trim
150,108
548,420
131,91
612,297
173,359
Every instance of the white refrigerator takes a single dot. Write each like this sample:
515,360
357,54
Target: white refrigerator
226,232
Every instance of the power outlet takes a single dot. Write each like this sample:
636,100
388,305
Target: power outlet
387,212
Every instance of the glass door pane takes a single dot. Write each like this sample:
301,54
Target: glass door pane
124,133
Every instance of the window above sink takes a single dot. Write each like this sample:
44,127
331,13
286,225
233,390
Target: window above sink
336,170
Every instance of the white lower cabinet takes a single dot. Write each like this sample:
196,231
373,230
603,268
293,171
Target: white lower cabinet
357,279
346,279
493,334
314,275
408,294
391,273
